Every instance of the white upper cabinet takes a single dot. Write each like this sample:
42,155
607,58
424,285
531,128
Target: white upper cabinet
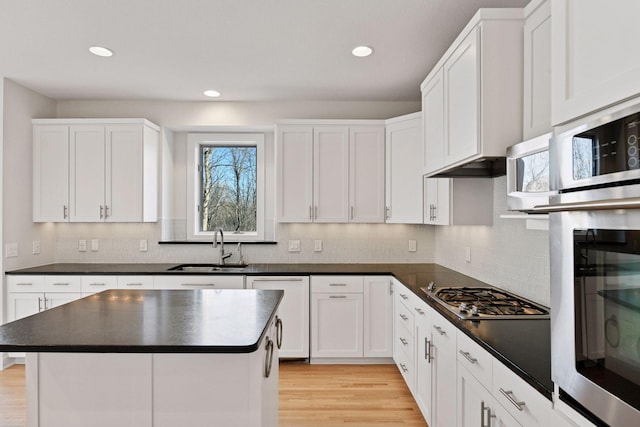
475,93
51,173
105,171
295,173
404,162
536,119
366,174
458,201
330,172
592,55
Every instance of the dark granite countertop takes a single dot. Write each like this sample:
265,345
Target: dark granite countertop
149,321
522,345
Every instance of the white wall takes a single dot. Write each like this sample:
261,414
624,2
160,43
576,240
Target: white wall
20,106
506,254
348,243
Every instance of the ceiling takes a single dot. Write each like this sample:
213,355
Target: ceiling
249,50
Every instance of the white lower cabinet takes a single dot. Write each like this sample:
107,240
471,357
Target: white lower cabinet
476,405
443,370
293,311
211,281
340,321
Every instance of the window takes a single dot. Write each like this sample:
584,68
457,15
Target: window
226,186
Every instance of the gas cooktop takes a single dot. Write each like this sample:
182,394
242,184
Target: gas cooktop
485,303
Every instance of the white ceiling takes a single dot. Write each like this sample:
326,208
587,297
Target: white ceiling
249,50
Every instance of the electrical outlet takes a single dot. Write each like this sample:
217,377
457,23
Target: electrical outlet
413,245
142,245
294,245
35,247
11,250
467,253
94,245
82,245
317,245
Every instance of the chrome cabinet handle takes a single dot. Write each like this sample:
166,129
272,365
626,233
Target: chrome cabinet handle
509,395
404,297
403,317
39,304
268,360
337,284
387,212
403,367
439,329
101,214
64,211
420,311
337,296
310,212
467,356
97,284
133,284
427,350
403,341
279,332
106,211
201,285
24,284
46,306
435,212
60,284
484,408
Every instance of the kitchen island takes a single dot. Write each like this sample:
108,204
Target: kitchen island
152,358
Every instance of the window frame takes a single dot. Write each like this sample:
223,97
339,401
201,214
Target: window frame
194,185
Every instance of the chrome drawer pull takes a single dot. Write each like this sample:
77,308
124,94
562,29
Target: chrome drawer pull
403,341
439,329
97,284
60,284
420,312
468,356
337,296
403,317
404,368
202,285
337,284
509,395
427,350
404,297
133,284
24,284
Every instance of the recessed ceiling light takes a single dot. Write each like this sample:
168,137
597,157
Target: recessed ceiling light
362,51
212,93
100,51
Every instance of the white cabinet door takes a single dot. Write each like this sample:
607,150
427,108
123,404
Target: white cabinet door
437,197
295,174
443,386
433,119
336,325
23,304
458,201
476,405
293,310
51,173
54,299
462,100
331,174
537,70
378,317
424,365
87,179
404,170
366,174
124,173
592,56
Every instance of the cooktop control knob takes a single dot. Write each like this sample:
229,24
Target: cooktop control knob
463,307
474,310
431,287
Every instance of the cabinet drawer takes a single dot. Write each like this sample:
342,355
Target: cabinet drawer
522,401
404,317
405,342
405,296
337,284
62,283
199,282
476,359
93,284
135,282
19,283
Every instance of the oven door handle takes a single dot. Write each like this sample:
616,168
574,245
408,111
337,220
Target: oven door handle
600,205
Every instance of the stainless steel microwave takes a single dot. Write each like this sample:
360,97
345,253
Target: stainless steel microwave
528,174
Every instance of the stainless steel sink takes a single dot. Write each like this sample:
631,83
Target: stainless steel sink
207,268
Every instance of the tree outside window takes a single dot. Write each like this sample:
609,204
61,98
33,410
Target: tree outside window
229,188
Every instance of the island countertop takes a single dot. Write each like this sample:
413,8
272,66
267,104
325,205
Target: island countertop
149,321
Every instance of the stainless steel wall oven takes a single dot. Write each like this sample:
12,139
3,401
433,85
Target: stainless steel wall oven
595,263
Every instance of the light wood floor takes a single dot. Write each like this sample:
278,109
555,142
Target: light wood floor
310,396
